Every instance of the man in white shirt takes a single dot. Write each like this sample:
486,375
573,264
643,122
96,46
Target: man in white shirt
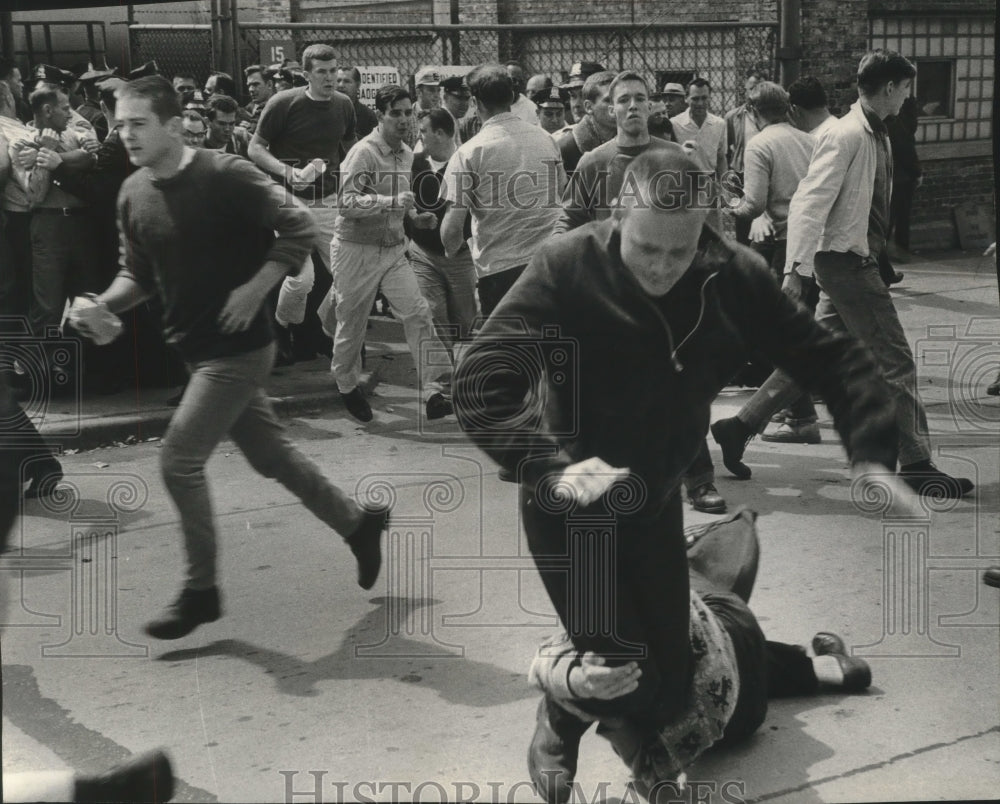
707,130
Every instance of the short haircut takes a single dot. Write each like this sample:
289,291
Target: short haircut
158,91
224,84
699,82
622,77
317,52
193,116
47,93
878,67
669,179
770,100
441,120
221,103
388,95
7,67
354,71
807,93
596,85
491,86
256,68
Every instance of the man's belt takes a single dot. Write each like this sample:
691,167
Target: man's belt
64,212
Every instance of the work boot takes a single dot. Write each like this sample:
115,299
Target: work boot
192,608
438,406
733,435
145,778
791,432
554,750
706,498
366,544
926,479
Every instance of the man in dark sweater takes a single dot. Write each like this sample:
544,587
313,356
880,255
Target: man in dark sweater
658,311
211,235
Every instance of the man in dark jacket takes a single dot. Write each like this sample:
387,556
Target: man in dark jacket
603,437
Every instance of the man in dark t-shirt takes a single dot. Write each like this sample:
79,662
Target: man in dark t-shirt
299,140
210,235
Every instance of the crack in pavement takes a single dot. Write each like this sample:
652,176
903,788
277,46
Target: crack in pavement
814,783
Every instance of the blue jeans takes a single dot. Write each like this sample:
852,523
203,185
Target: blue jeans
854,299
225,396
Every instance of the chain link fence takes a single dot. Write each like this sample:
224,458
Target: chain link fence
177,49
720,52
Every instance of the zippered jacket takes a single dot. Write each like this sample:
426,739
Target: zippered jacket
578,361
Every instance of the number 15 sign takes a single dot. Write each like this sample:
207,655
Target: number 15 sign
275,51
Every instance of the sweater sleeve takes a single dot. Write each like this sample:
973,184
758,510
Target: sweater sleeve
134,262
499,394
838,366
259,200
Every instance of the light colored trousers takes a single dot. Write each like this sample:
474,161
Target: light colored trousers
359,270
291,307
449,285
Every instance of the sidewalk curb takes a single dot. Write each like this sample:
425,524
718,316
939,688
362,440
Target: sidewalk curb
105,430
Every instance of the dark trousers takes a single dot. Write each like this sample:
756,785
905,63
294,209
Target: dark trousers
494,287
15,264
767,669
622,595
900,208
64,253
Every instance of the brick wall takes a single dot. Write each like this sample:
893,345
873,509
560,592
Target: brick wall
544,11
834,38
275,10
918,7
947,184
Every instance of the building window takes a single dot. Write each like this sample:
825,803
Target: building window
934,88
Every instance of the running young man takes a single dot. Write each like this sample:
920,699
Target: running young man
211,235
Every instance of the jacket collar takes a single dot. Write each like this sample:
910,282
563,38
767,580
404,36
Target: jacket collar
383,147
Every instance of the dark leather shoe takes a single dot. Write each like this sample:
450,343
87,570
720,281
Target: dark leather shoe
283,341
44,476
925,478
438,406
993,389
991,577
144,778
706,498
554,750
357,405
826,642
366,544
733,436
857,673
506,475
192,608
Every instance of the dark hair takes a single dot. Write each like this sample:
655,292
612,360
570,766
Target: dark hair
595,83
257,68
317,52
388,95
807,93
699,82
622,77
6,67
221,103
770,100
48,93
354,71
224,84
491,86
158,91
878,67
756,72
441,120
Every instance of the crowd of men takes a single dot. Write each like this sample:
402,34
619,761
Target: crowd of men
485,205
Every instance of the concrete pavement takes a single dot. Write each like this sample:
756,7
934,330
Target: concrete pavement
310,689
